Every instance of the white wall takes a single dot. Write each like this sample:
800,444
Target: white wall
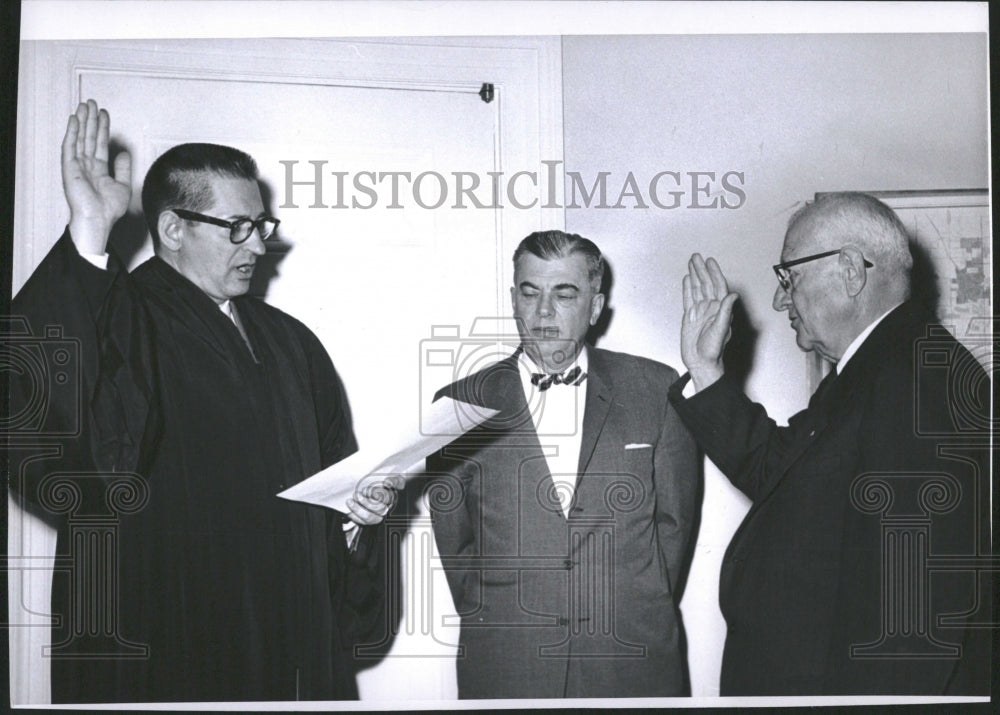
798,114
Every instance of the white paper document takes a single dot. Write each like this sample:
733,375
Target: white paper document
440,424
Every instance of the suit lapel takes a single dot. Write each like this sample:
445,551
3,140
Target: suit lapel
842,390
517,456
498,387
598,402
809,426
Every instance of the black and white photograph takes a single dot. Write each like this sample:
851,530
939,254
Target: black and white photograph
460,355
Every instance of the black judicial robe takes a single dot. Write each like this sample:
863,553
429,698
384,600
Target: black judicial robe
177,566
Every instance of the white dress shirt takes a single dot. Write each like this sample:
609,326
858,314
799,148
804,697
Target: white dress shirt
557,414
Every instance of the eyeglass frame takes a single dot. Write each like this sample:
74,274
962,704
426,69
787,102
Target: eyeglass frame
255,224
785,280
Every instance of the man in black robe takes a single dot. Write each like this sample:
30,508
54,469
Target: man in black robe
180,575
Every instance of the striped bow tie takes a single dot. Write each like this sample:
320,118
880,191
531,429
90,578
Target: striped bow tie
571,377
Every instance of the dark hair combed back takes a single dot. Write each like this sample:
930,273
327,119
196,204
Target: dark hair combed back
548,245
180,178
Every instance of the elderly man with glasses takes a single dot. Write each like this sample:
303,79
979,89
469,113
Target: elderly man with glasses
847,575
205,403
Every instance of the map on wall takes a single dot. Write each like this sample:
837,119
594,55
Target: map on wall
952,230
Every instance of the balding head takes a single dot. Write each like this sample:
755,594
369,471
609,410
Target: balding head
832,298
852,218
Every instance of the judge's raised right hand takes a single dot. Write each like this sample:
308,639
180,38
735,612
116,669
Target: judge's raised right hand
705,328
96,198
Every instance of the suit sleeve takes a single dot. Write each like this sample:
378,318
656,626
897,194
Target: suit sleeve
677,474
735,433
451,512
86,322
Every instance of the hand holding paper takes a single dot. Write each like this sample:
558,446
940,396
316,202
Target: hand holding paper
364,477
373,501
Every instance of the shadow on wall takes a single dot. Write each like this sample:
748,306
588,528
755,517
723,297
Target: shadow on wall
738,357
924,279
268,264
598,330
129,233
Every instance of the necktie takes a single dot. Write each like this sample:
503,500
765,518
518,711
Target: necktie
235,317
573,377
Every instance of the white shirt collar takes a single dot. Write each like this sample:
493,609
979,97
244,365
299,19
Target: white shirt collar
856,343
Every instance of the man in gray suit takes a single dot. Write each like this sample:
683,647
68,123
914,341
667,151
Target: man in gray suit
564,521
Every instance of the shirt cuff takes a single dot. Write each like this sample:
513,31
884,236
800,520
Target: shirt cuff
351,533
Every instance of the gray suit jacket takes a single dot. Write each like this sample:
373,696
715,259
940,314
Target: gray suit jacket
582,606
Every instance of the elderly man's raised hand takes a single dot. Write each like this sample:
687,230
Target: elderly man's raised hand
708,312
96,198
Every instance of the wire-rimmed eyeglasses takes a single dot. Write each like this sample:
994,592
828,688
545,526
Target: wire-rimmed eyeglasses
785,278
240,229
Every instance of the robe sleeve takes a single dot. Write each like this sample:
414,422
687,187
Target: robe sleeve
358,578
80,326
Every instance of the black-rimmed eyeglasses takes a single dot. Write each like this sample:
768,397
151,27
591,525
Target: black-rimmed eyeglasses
240,229
785,278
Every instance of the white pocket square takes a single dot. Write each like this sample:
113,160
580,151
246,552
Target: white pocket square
638,445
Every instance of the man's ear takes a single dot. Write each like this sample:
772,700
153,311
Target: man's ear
853,270
596,306
170,227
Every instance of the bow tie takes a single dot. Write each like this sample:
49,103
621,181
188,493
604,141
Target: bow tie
571,377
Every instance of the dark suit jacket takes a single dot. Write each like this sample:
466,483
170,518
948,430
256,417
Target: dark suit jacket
577,607
802,579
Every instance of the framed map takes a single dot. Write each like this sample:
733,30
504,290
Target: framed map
950,233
